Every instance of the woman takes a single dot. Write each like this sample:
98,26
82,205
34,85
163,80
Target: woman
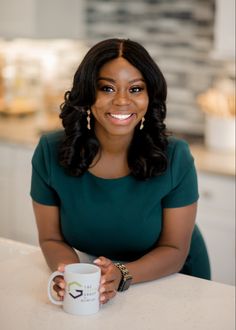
113,184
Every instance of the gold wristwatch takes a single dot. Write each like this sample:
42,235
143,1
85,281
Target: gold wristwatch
126,278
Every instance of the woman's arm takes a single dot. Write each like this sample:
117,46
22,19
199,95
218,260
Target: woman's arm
172,247
51,241
166,258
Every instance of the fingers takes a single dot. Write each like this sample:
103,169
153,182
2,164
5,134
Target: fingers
107,269
107,292
60,282
59,286
60,293
103,262
106,296
110,279
107,287
61,267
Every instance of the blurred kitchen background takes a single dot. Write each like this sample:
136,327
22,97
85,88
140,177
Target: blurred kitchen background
193,41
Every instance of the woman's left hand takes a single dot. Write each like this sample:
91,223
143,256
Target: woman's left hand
110,279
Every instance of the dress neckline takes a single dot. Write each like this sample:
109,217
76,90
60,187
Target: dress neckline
98,178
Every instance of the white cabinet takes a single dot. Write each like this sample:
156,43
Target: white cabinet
17,219
6,181
25,227
42,19
17,18
224,29
216,219
60,19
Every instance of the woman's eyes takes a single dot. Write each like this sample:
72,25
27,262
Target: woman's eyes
109,89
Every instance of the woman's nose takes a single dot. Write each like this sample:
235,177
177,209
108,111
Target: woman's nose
121,98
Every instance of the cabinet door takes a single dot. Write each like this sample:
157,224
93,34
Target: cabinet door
216,219
17,18
42,19
224,29
17,220
24,221
6,190
60,19
5,217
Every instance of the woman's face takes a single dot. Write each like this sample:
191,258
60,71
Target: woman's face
121,98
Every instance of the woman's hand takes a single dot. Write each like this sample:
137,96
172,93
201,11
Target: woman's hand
59,286
110,279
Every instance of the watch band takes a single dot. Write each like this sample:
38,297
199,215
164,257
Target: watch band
126,278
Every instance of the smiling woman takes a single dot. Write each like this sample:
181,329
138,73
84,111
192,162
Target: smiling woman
114,80
113,184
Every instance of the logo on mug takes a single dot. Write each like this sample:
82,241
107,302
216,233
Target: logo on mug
75,290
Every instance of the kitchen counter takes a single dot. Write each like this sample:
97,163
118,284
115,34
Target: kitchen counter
174,302
27,130
212,161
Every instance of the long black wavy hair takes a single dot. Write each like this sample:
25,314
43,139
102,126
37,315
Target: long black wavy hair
147,151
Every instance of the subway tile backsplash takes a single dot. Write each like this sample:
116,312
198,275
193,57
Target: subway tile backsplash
179,34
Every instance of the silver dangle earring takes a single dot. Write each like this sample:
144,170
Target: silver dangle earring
142,123
88,119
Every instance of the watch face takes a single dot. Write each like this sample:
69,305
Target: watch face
126,284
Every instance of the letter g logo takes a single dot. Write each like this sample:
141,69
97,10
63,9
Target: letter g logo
74,289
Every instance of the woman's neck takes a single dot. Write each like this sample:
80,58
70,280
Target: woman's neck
114,144
111,161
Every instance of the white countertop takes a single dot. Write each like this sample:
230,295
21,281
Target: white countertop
176,302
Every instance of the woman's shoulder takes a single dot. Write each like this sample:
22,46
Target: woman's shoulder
48,146
178,150
53,138
51,141
176,143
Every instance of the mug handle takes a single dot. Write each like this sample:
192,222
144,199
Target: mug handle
51,298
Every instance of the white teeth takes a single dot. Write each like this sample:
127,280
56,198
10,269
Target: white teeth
120,117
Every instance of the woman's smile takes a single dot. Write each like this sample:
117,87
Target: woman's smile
121,119
120,116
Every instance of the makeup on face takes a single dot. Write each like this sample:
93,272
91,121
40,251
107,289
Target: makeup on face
121,98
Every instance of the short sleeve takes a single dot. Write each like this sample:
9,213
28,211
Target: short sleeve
41,190
184,184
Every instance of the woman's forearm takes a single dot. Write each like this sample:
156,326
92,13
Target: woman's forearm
58,252
160,262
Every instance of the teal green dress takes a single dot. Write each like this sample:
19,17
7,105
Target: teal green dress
118,218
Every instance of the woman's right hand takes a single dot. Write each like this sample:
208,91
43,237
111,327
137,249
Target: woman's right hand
59,286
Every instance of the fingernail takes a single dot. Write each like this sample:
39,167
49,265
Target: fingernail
97,261
102,298
102,290
61,285
61,293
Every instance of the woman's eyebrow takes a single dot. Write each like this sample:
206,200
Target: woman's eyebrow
107,79
113,80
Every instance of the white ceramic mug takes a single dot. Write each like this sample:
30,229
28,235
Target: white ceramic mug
82,288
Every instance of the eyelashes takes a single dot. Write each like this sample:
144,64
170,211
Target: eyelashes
109,89
136,89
